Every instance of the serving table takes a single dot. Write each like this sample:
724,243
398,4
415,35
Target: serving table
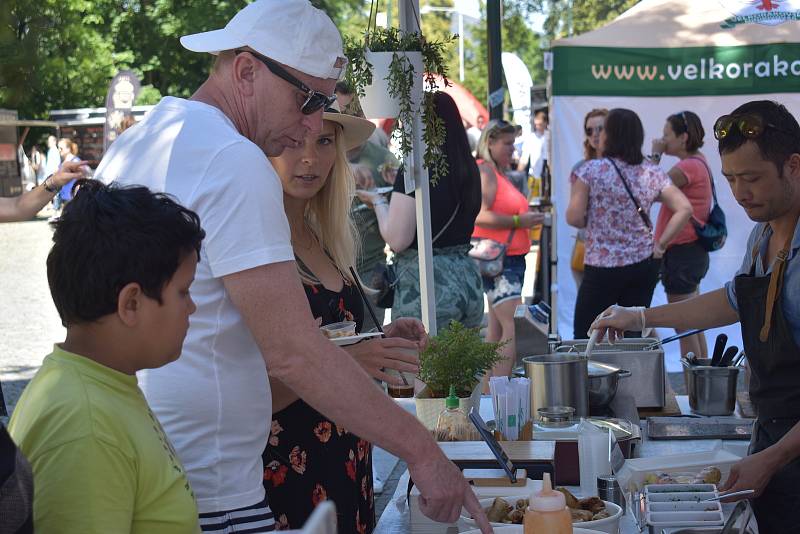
396,517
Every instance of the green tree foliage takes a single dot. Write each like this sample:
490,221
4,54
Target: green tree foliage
517,37
63,53
565,17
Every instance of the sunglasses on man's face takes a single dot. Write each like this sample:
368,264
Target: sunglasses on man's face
315,100
590,131
750,125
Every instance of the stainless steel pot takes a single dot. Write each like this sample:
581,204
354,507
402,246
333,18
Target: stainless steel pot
603,382
558,380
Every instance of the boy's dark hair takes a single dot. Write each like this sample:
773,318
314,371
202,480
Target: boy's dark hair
688,123
777,143
109,236
624,136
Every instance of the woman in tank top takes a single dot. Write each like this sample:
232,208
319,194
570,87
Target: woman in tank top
504,217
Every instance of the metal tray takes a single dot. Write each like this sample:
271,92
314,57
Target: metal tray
699,428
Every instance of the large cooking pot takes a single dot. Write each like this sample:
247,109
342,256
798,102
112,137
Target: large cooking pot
603,382
558,380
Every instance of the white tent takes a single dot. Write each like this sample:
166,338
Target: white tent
662,57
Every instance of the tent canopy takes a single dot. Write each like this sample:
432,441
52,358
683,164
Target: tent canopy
685,23
662,57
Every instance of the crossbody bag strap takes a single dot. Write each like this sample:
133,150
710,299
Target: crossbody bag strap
710,177
511,236
447,225
645,217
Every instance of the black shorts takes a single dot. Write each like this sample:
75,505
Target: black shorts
682,268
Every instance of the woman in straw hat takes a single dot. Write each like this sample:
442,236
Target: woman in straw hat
309,458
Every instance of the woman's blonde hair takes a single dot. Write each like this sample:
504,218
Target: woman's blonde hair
492,131
328,215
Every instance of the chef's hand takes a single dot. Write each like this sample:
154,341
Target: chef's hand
377,355
444,490
616,320
410,329
751,472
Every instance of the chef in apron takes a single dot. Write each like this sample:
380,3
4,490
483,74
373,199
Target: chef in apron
759,144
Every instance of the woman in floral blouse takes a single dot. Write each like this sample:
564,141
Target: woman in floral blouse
309,458
622,259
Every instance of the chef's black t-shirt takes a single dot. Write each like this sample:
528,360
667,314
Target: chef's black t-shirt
444,199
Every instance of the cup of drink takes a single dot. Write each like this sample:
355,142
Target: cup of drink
406,389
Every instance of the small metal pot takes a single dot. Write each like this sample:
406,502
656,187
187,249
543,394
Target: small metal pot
603,382
558,380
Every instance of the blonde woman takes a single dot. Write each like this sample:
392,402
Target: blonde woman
504,217
309,458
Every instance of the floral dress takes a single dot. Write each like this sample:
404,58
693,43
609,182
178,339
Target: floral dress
309,458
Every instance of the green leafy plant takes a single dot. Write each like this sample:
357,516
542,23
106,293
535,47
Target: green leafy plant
457,356
401,82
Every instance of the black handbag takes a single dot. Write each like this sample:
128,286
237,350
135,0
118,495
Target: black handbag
712,235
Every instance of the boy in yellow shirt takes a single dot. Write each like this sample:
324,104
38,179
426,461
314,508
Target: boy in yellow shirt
119,272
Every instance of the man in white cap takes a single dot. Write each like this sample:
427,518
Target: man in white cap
277,64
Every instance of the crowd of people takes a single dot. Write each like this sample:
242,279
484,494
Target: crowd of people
195,391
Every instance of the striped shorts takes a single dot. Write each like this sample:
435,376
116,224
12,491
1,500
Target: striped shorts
250,519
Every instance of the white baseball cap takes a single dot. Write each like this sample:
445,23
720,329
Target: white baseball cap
292,32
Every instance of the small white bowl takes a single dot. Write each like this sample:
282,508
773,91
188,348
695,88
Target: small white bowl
609,525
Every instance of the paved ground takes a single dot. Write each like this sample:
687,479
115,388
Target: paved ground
29,324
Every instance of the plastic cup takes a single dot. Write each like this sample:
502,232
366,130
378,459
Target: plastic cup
337,330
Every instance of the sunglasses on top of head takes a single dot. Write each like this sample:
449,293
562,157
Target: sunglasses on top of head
750,125
315,100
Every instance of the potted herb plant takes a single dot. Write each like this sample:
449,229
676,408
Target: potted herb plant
386,69
458,357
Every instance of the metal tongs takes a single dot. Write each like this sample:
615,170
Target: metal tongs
656,344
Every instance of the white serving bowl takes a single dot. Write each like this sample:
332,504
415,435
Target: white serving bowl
609,525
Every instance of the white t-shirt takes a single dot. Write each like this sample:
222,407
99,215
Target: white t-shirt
536,146
214,402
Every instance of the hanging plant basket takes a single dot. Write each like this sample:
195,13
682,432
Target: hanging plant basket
378,100
389,69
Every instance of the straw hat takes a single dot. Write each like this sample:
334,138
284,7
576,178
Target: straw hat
355,129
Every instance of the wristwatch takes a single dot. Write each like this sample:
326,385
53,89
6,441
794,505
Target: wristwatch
49,188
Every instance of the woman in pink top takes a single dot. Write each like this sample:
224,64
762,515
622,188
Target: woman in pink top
685,262
504,215
622,260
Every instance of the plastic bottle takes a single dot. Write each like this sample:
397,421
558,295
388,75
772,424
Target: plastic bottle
452,424
547,512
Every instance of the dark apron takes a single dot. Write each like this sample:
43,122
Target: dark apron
774,360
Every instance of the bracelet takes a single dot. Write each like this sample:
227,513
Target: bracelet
48,188
655,157
380,202
516,220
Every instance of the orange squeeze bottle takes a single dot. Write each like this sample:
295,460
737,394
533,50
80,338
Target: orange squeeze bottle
547,512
